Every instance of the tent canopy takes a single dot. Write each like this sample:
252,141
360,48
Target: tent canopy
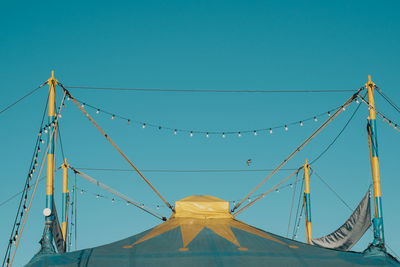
202,232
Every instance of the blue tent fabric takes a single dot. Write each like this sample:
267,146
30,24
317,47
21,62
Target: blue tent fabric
202,232
209,249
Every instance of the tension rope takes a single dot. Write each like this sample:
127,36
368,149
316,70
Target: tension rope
315,133
115,146
118,194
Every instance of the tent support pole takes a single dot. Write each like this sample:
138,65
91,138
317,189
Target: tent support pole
307,201
373,152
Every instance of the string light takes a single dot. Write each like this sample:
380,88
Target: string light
42,141
112,117
357,101
223,135
207,135
344,108
286,128
113,200
45,131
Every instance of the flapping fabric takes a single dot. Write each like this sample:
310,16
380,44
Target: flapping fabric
351,231
202,232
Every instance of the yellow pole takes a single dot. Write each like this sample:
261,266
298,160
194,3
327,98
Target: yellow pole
307,201
48,211
373,152
65,192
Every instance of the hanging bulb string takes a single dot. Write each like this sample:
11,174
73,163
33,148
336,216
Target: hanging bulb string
312,136
266,193
390,122
223,133
158,206
115,146
277,190
118,194
30,201
27,209
26,188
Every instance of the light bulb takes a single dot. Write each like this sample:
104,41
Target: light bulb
127,203
357,101
315,119
191,134
42,141
112,200
83,105
68,98
270,131
97,196
128,122
207,135
144,125
239,134
277,190
329,114
249,199
301,123
344,108
82,191
255,132
59,116
112,117
286,128
98,111
158,207
175,132
223,135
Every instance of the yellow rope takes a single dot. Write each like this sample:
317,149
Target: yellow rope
315,133
115,146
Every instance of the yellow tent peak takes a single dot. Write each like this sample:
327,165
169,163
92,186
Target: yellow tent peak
200,206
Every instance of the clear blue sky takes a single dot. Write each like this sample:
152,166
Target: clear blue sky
226,45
